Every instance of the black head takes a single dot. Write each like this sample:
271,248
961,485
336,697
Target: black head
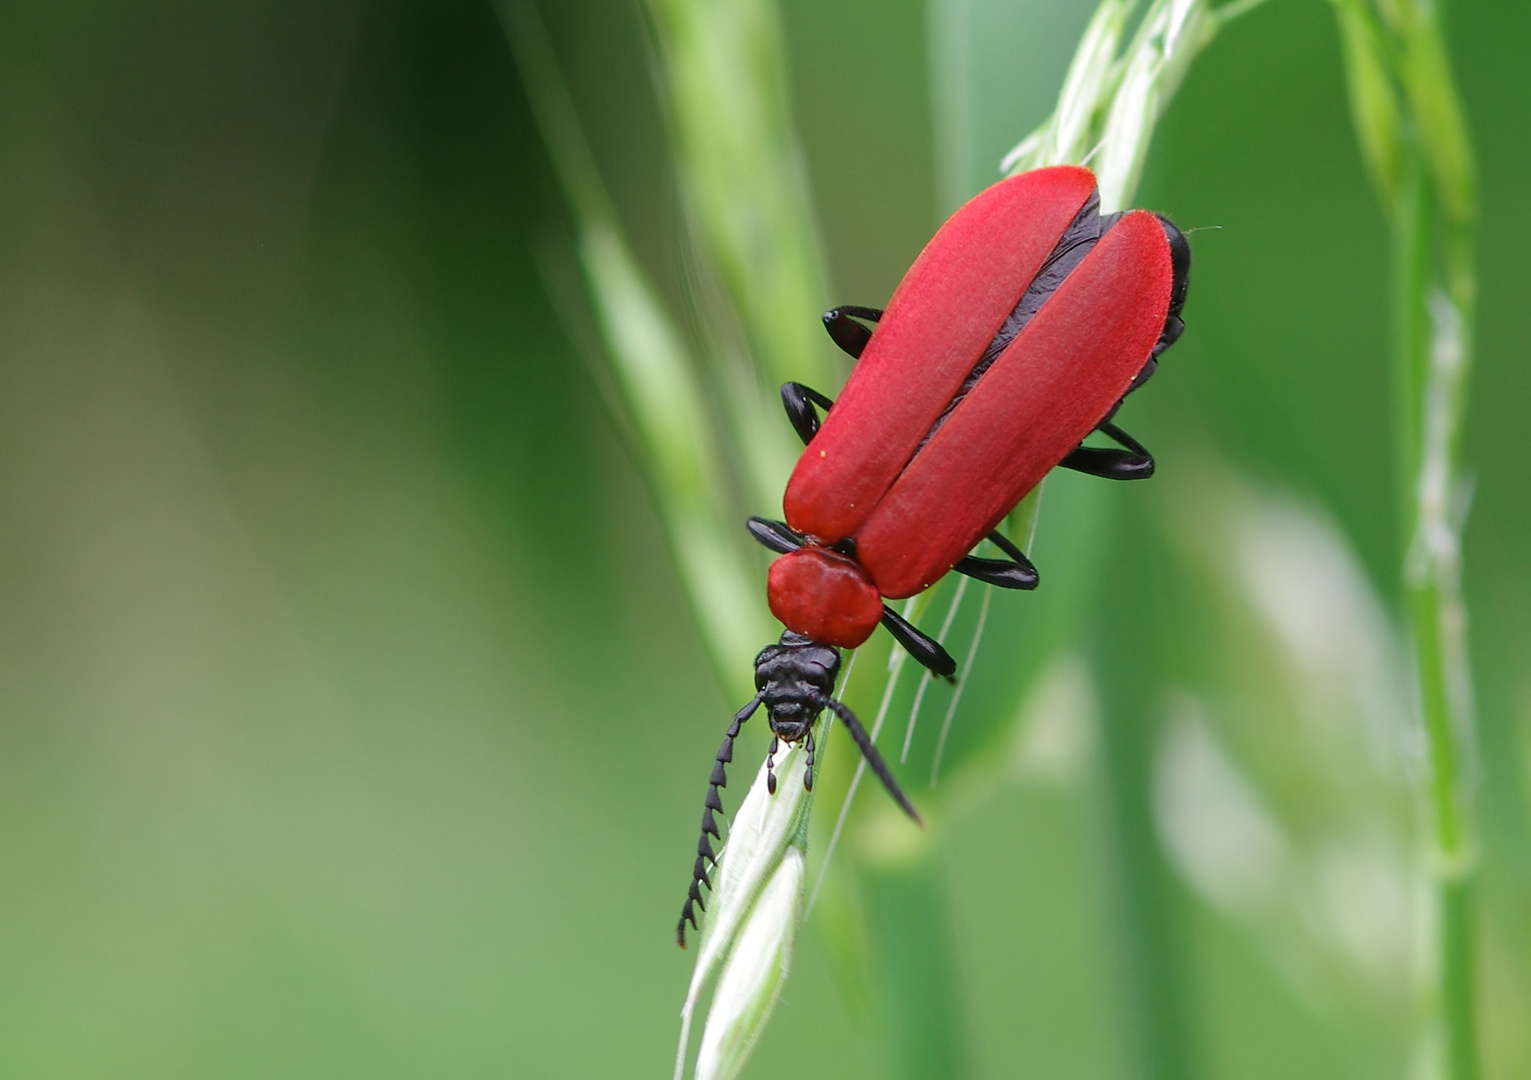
795,678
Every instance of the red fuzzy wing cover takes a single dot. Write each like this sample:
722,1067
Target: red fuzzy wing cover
1044,394
944,313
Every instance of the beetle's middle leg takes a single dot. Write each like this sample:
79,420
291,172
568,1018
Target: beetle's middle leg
1015,572
1133,462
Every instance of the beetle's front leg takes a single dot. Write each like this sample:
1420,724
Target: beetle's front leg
920,645
775,535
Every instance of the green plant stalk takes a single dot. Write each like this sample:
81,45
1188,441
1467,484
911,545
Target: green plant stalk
1414,141
1429,400
1132,666
915,988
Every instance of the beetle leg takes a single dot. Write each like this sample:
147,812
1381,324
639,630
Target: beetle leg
774,535
799,401
1132,463
704,852
924,648
1015,572
1144,375
850,335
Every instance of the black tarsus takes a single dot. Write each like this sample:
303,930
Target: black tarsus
1125,439
1016,572
1147,372
799,401
868,751
704,853
850,335
924,648
774,535
1132,463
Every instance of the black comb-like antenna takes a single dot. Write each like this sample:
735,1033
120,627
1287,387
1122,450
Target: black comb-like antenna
705,857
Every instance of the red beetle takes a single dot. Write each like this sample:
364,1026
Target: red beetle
1016,333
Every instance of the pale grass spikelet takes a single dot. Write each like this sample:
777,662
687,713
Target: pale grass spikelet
752,917
1171,34
1374,106
1110,103
754,974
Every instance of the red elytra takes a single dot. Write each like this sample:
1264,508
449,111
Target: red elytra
914,483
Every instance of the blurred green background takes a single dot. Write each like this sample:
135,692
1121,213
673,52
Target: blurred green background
352,722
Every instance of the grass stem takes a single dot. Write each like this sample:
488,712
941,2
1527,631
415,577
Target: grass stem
1415,143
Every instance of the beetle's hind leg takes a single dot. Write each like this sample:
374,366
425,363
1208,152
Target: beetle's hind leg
1015,572
852,337
1137,463
847,333
1133,462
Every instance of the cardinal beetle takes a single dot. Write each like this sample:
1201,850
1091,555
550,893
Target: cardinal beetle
1017,332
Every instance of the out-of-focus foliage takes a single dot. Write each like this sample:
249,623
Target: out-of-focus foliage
354,722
